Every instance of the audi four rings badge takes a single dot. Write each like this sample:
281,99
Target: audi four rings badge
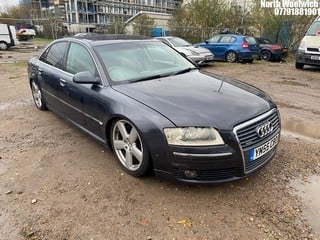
264,129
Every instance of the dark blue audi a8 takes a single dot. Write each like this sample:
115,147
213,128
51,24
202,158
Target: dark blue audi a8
155,109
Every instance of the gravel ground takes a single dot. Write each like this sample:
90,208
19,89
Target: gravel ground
58,183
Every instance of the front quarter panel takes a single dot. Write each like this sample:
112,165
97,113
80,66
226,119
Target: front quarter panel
149,123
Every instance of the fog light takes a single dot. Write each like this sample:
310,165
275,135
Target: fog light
190,173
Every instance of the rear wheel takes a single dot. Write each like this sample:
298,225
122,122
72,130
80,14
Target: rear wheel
129,148
299,65
37,96
231,57
266,55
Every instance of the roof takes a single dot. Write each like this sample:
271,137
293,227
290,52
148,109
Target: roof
99,37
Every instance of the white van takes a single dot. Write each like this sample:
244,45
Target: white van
8,36
309,49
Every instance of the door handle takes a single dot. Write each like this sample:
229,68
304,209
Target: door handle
40,71
62,82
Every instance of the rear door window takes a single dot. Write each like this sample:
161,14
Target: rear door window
227,39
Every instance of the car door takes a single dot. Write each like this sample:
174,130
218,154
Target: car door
212,45
50,70
225,44
81,100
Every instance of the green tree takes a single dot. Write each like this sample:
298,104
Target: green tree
143,25
284,29
199,19
117,26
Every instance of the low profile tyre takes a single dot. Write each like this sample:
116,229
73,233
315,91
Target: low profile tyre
37,96
231,57
129,148
299,65
266,55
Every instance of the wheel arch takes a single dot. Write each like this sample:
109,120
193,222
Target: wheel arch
108,132
231,51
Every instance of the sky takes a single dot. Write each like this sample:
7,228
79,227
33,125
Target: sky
5,3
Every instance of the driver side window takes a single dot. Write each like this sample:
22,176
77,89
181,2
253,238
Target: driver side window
79,60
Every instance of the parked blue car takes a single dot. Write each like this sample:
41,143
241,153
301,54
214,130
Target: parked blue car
232,47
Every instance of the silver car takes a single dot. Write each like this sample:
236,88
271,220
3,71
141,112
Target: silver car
197,54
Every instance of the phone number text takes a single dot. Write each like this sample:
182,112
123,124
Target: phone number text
297,11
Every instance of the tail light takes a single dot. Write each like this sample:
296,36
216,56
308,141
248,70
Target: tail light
276,47
245,45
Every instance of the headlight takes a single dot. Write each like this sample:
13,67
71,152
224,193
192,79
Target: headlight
193,136
190,52
302,45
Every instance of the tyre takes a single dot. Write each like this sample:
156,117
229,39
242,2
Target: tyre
3,46
299,65
266,55
37,96
231,57
129,148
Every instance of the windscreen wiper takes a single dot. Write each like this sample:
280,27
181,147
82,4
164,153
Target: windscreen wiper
184,71
150,77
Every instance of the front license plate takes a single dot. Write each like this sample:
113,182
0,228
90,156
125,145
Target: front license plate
264,148
315,57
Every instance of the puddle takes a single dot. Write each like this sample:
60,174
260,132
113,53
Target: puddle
309,191
306,128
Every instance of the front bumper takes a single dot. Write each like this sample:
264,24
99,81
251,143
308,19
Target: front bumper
308,58
248,55
201,59
225,163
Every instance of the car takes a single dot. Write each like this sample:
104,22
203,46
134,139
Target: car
199,55
232,47
25,34
309,48
271,51
7,36
156,110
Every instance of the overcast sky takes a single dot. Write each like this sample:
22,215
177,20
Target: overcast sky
5,3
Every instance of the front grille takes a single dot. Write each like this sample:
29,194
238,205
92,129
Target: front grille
313,50
308,60
248,137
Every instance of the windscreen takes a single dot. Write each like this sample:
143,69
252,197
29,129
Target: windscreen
134,61
314,30
178,42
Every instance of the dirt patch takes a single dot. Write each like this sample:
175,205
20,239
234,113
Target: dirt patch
58,183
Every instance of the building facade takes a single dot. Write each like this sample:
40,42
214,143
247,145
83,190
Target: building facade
86,15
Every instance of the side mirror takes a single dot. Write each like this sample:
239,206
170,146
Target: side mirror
85,77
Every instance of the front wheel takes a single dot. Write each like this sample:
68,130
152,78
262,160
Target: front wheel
37,96
3,46
231,57
129,148
299,65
